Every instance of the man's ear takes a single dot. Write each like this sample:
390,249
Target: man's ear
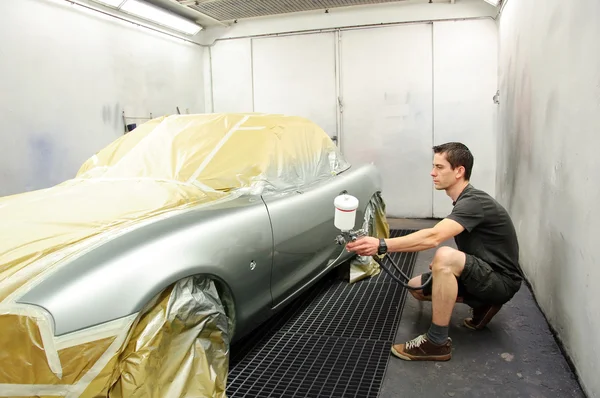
460,172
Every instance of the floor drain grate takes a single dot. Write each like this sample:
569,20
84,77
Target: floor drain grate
302,365
359,311
333,342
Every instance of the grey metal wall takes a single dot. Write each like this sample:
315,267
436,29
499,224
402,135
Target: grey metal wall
548,162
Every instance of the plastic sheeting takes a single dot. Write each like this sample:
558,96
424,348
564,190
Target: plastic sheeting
176,341
178,345
376,225
222,153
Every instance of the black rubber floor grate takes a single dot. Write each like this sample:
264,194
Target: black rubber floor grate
304,365
365,311
333,342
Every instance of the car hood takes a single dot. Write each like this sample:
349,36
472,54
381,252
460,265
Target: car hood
44,228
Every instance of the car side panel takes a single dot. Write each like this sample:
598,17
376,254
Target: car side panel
121,276
304,230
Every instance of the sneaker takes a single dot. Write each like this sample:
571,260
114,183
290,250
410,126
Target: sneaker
482,316
421,349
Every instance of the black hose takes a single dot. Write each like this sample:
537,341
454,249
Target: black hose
380,262
353,237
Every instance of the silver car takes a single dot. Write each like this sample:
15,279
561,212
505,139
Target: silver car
195,229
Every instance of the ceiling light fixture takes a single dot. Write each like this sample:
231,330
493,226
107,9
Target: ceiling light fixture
155,14
112,3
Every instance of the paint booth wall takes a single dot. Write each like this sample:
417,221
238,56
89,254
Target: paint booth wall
387,93
66,76
548,162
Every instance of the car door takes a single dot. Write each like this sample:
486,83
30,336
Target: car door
303,236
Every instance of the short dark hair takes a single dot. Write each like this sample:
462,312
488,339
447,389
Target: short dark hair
458,155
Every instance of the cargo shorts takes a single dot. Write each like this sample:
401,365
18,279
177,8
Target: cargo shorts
479,284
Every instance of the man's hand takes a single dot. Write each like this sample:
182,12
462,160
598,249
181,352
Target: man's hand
365,246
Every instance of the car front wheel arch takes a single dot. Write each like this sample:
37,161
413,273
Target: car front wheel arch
182,332
227,301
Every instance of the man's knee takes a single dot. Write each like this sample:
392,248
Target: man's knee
448,260
444,255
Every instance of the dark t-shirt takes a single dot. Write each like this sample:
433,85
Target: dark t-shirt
489,232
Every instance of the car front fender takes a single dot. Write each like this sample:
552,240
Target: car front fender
233,244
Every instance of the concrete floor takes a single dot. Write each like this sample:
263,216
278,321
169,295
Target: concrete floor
516,356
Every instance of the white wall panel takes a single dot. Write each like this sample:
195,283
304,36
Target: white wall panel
387,111
296,75
66,76
465,80
548,164
231,64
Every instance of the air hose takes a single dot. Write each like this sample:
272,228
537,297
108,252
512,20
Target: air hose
351,236
394,277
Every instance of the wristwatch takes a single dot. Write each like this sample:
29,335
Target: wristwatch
382,247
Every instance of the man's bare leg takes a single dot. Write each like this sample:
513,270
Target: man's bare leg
447,265
418,294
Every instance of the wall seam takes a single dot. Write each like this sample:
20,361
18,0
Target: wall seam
252,71
432,109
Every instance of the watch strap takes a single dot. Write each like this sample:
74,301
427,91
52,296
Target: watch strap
382,247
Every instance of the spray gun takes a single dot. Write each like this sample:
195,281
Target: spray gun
345,216
345,219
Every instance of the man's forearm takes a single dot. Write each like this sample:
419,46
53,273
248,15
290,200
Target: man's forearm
421,240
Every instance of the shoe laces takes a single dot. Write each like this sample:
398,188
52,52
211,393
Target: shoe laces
416,342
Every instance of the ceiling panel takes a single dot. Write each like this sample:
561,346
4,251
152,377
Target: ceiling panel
228,10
